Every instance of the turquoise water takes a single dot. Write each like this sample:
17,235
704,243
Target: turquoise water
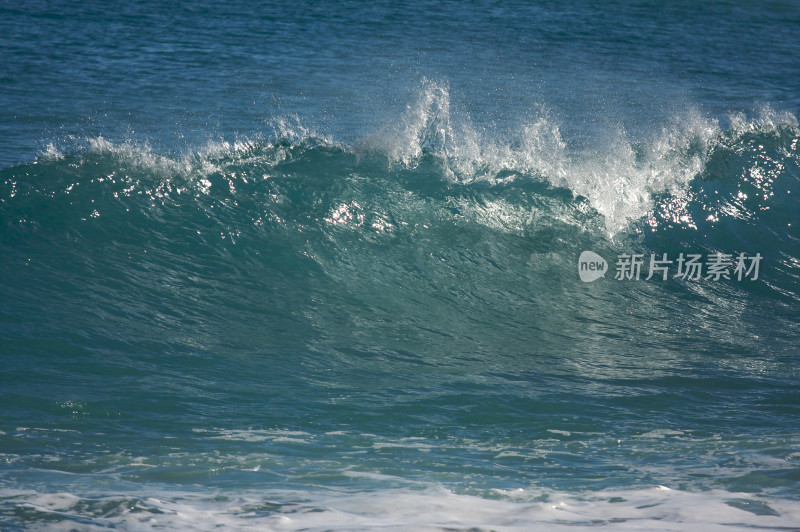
317,267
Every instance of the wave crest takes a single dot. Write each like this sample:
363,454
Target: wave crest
624,179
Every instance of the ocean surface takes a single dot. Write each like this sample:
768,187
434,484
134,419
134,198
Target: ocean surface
356,266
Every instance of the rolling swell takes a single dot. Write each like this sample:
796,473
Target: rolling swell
435,217
418,289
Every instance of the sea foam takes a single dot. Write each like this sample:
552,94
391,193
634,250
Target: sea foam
432,509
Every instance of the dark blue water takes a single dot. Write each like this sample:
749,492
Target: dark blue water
317,266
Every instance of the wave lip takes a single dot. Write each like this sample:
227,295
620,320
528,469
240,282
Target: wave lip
625,180
691,174
622,177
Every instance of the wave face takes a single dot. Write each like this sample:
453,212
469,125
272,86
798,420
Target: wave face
402,319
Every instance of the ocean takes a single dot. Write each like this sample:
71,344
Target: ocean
443,266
